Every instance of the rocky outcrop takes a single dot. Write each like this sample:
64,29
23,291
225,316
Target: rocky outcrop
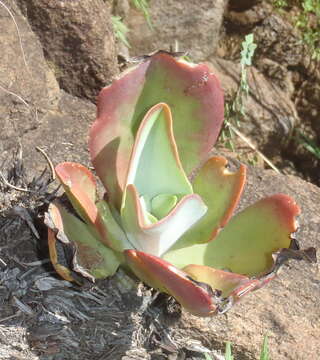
270,115
35,112
27,85
287,62
279,41
77,41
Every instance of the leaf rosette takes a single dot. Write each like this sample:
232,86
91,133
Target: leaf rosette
167,206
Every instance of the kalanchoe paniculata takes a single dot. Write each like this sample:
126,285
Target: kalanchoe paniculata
167,208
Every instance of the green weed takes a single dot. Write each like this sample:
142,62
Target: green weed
308,144
264,355
120,30
265,349
228,354
234,109
308,22
143,6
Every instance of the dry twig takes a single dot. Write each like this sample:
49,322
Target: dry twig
53,173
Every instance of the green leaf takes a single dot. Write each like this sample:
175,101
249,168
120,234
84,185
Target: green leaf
191,91
248,48
91,257
155,167
162,204
228,354
80,187
143,6
163,276
117,238
156,238
265,350
247,243
156,182
220,189
120,30
224,281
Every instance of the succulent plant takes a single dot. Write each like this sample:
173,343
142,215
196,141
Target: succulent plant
165,214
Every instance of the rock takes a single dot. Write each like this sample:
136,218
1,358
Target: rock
78,42
195,27
288,308
270,114
278,40
62,134
35,111
27,85
244,5
247,15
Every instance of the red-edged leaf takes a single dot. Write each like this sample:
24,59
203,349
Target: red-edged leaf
220,189
157,238
232,286
163,276
247,243
221,280
193,94
75,246
80,186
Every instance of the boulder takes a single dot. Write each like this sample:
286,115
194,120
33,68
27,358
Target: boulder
62,134
78,42
27,85
35,111
278,40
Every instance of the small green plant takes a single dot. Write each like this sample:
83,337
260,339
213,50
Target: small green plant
143,6
228,352
265,349
234,109
308,144
165,215
310,33
264,355
280,4
120,30
308,22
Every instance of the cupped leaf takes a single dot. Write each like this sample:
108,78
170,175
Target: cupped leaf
193,94
232,286
163,276
80,187
162,204
155,167
110,229
221,280
88,255
246,244
220,189
156,238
